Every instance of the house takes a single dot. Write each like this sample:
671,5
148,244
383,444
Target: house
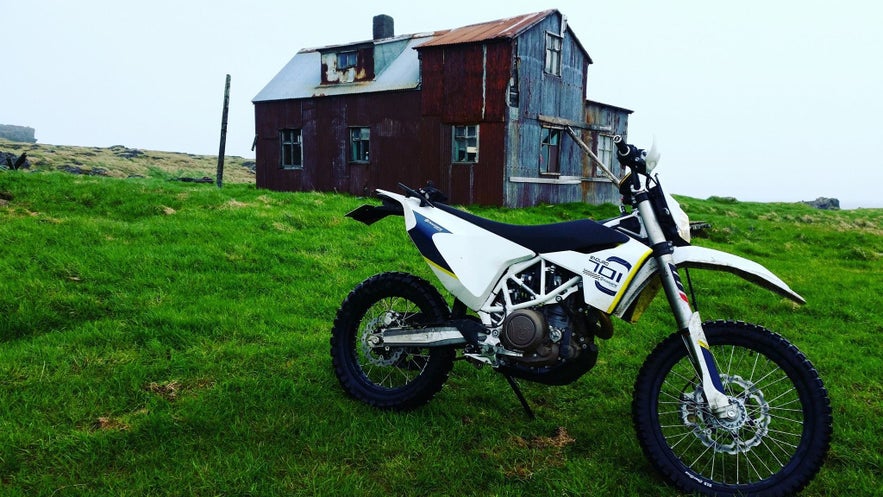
482,111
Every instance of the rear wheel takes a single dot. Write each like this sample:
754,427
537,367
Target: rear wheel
389,377
773,447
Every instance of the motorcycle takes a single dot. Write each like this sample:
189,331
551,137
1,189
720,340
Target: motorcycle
719,407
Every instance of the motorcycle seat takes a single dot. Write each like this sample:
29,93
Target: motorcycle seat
582,235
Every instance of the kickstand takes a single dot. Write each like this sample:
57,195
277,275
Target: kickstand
524,404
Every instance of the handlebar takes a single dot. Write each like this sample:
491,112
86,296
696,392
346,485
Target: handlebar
621,146
629,155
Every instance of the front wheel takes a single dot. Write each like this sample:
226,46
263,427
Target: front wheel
773,447
389,377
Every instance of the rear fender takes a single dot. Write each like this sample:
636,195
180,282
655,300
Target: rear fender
370,214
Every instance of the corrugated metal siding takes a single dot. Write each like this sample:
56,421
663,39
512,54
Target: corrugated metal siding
543,94
480,183
498,71
432,63
463,80
329,169
605,120
468,84
394,120
562,96
488,174
269,120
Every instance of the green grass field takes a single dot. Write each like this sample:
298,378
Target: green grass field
160,338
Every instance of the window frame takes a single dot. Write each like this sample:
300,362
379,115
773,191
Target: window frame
548,150
359,146
554,54
605,152
291,146
462,141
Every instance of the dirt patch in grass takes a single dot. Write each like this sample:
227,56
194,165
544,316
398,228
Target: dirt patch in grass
168,390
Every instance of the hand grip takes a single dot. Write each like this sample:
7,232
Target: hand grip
621,146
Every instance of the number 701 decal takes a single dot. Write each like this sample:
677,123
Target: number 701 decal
607,273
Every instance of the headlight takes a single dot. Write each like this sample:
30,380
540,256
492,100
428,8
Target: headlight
682,221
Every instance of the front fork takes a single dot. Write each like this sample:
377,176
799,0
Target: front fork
694,338
688,320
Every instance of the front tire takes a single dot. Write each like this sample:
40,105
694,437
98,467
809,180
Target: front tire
396,378
776,444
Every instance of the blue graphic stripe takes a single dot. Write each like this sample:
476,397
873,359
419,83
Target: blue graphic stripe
421,234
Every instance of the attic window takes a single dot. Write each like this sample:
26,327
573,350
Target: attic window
345,60
553,54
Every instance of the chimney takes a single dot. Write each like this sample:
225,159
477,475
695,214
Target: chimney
383,27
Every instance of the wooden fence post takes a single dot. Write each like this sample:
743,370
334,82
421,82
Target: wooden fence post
220,178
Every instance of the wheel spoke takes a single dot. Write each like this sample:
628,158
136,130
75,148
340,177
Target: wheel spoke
383,376
389,368
766,432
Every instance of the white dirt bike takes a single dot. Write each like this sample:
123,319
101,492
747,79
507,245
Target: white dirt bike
720,408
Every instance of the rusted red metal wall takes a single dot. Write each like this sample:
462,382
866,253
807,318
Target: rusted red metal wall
392,117
411,131
465,85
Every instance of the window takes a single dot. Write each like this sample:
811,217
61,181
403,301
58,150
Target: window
605,153
553,54
346,60
292,155
465,143
513,89
360,141
549,151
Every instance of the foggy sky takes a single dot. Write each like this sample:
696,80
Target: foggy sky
759,100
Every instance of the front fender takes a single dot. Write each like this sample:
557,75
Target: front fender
645,284
706,258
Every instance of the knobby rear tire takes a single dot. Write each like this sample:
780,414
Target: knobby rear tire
396,378
784,431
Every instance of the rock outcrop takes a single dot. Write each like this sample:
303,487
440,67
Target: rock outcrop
17,133
824,203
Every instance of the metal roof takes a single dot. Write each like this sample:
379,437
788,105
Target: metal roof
602,104
302,78
491,30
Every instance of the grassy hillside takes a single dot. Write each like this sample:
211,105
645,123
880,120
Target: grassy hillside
164,338
122,162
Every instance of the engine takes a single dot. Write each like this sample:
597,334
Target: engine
544,336
554,334
527,331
